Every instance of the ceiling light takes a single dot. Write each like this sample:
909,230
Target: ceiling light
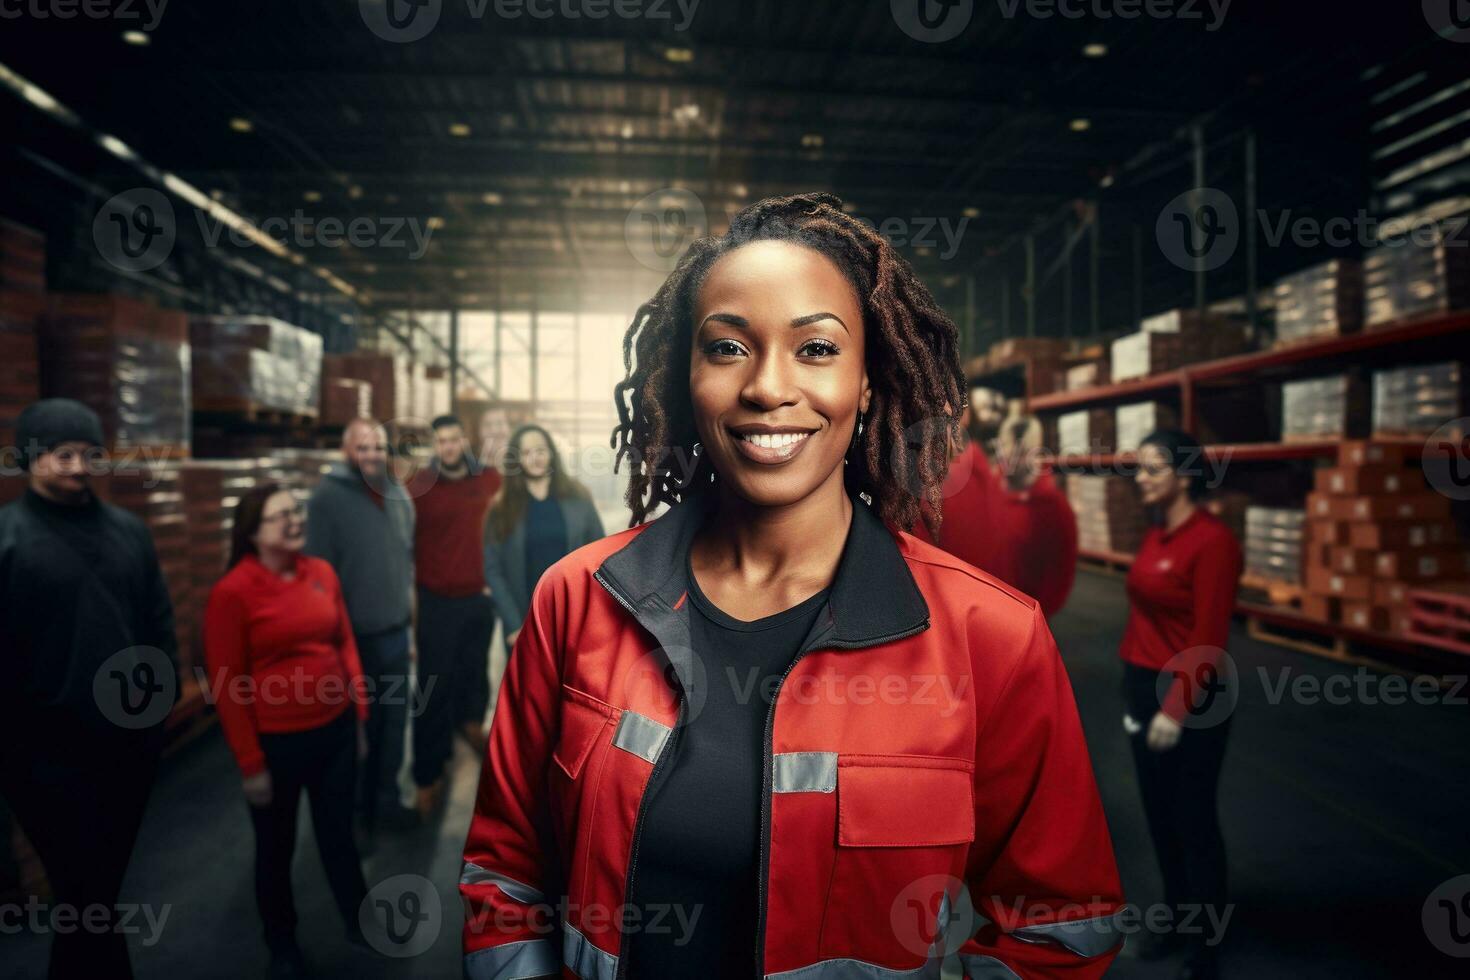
971,212
311,197
116,147
627,131
434,223
138,39
686,113
354,192
1081,125
1094,50
812,141
679,56
1107,181
459,129
241,125
491,198
740,190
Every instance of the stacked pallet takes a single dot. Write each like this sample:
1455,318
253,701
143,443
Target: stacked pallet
344,399
1413,279
1323,301
1334,407
249,364
1089,431
1109,517
20,369
1439,616
22,258
1172,340
1275,544
384,374
1418,400
1375,531
127,360
1134,423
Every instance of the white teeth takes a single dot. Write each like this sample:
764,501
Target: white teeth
778,440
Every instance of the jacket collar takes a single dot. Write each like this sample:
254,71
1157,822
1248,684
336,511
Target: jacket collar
391,489
874,597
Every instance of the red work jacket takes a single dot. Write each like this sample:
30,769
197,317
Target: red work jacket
926,790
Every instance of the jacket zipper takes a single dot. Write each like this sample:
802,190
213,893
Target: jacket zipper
765,849
664,754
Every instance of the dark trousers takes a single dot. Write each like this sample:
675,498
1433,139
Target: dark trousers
385,663
322,761
79,798
1180,799
453,671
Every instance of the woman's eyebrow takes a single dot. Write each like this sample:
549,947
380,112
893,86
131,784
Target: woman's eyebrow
802,321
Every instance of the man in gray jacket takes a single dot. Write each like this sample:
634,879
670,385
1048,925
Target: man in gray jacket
361,520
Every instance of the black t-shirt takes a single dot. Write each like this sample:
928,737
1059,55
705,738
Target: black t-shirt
695,887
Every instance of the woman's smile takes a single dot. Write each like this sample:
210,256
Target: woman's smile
770,447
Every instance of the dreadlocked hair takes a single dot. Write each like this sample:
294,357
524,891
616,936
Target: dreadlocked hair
912,361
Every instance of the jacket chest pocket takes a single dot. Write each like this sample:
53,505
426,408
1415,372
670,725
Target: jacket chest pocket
576,765
904,825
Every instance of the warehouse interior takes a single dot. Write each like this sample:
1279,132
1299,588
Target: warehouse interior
230,230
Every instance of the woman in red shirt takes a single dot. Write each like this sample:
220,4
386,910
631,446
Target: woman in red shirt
286,681
1177,685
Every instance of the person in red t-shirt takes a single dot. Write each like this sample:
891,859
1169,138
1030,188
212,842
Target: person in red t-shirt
285,678
1015,523
456,617
1181,593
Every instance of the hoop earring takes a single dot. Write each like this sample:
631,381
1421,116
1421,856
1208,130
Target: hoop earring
856,437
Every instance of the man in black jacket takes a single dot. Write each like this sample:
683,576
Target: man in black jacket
91,674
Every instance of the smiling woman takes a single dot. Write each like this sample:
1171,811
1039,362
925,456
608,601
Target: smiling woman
674,742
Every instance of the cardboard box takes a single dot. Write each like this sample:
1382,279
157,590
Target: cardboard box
1324,581
1420,507
1390,593
1365,616
1399,535
1419,565
1324,608
1360,452
1355,480
1352,561
1086,432
1328,532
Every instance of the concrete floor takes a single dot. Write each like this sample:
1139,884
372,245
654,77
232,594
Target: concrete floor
1340,820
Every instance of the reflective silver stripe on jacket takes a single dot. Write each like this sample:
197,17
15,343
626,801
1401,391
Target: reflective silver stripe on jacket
641,735
585,959
1085,937
513,961
804,772
986,968
473,874
846,969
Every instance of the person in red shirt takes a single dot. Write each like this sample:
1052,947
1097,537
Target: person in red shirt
1015,524
285,678
456,617
1181,593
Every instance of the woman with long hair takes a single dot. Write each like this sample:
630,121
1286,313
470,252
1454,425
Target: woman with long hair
771,732
1176,683
286,681
540,514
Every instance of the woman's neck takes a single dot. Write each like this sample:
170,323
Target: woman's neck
1177,511
278,561
539,486
763,545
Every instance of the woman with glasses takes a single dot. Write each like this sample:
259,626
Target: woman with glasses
285,678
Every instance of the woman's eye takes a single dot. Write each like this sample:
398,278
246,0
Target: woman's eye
726,347
821,347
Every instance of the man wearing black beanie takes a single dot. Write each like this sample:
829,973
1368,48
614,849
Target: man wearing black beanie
91,674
